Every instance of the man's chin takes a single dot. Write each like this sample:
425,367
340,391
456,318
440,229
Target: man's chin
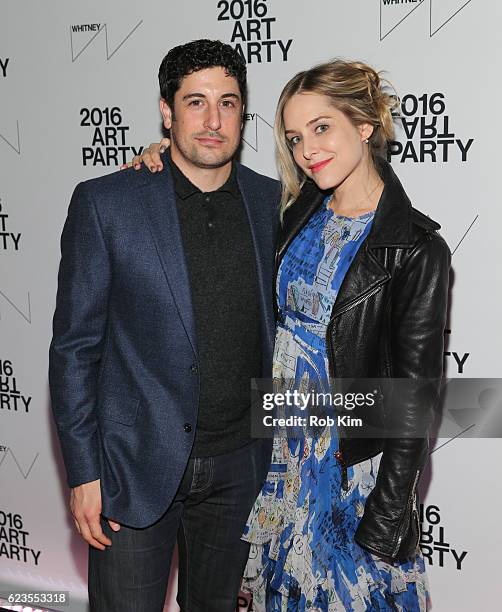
212,161
203,157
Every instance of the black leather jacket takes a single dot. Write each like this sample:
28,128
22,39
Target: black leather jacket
388,321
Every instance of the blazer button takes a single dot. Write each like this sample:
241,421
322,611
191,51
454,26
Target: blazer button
187,427
194,369
338,456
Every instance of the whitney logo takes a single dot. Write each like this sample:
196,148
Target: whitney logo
441,12
26,315
83,35
6,451
253,140
11,141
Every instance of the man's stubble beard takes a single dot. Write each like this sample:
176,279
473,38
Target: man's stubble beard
192,154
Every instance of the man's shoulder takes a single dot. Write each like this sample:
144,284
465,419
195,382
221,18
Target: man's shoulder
114,193
117,184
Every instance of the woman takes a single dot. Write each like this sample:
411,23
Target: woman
361,289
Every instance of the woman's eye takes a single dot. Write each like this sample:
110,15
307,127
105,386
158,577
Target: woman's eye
322,127
294,141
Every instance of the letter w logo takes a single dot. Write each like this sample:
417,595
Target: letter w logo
24,472
109,53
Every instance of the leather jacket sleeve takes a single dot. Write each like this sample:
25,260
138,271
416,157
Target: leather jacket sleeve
390,526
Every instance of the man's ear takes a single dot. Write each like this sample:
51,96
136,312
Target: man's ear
165,111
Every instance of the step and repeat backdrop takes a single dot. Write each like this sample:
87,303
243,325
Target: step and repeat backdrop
79,96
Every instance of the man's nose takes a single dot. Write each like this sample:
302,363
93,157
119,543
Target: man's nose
213,121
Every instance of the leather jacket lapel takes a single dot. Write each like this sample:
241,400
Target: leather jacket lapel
364,278
391,228
296,217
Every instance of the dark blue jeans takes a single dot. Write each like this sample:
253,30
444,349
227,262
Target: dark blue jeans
207,517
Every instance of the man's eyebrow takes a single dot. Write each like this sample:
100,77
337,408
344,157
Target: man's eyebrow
194,95
201,95
311,122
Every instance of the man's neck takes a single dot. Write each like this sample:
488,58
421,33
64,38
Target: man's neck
206,179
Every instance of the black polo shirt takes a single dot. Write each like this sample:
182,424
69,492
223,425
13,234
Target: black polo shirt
221,264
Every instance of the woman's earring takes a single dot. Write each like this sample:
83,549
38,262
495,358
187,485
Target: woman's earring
366,141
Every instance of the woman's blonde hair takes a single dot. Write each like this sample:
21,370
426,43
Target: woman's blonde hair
354,88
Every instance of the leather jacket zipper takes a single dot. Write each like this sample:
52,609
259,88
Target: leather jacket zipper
331,359
343,467
409,502
345,480
358,300
361,298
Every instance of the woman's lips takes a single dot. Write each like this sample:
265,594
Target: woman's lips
319,166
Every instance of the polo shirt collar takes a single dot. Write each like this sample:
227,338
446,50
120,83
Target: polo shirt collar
184,188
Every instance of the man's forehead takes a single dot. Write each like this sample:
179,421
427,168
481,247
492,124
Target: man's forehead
210,79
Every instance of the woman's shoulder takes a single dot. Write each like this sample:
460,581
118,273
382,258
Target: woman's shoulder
425,235
422,220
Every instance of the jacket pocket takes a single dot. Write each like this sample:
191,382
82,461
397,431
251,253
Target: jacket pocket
119,409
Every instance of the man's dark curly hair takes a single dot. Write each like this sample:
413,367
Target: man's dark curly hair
198,55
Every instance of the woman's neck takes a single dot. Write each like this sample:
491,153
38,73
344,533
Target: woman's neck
359,193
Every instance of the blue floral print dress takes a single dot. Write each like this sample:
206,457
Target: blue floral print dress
303,555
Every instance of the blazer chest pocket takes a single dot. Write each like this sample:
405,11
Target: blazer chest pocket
122,410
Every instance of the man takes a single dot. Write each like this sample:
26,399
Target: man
163,316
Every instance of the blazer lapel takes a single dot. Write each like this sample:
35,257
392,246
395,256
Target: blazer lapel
263,237
160,204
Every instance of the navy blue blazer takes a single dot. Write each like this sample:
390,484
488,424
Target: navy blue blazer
123,359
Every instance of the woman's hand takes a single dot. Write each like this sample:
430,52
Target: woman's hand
150,157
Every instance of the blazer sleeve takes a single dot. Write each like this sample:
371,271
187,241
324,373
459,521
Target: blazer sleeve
79,329
418,319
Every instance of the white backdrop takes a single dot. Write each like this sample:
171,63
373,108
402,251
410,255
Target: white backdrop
78,92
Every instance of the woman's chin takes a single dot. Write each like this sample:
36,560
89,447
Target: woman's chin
323,183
